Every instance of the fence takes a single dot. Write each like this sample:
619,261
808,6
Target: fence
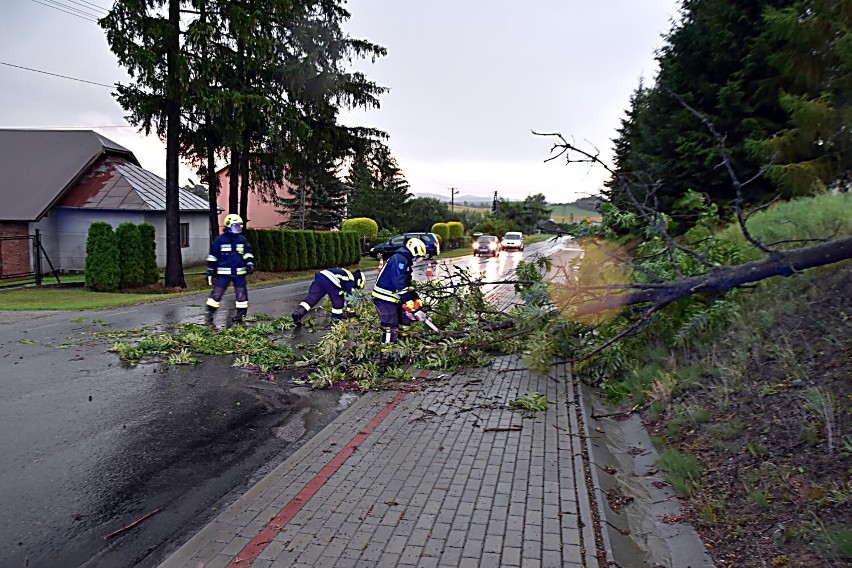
15,255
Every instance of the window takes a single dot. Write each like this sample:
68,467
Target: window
184,235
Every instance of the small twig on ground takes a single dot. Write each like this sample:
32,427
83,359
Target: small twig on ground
504,429
624,413
133,524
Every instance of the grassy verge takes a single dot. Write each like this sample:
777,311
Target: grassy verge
750,409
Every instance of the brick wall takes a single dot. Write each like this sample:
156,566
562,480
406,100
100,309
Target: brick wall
14,253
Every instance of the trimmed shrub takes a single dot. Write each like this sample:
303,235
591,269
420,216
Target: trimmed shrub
254,237
288,243
363,226
280,251
442,230
351,247
131,263
102,271
148,236
456,230
335,241
301,250
323,257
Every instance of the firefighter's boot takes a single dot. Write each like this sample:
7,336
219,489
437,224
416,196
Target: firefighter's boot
299,314
208,317
241,315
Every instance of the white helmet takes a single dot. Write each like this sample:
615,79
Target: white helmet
416,247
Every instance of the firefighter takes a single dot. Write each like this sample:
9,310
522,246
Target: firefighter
336,283
393,288
230,259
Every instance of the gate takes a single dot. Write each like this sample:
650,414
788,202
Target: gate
15,258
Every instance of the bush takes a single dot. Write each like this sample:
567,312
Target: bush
363,226
456,230
351,247
442,230
102,270
148,236
131,263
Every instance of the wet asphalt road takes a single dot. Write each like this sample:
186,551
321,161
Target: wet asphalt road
88,445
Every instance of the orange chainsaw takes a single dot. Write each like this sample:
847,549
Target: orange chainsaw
413,311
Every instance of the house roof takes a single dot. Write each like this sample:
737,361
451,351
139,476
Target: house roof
116,183
41,166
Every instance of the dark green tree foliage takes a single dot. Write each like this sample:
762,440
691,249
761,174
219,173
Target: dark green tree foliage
422,213
323,256
715,60
103,273
147,43
813,54
148,234
378,188
131,258
523,215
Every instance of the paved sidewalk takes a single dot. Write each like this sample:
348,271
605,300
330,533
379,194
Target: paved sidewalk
447,476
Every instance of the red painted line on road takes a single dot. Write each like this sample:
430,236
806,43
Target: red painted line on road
253,549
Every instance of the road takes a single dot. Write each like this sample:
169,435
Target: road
90,445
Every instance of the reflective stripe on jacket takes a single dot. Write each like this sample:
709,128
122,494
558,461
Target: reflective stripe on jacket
229,254
394,281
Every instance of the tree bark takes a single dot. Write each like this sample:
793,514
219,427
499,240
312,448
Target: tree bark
778,263
174,261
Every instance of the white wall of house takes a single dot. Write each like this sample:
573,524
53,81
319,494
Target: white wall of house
64,231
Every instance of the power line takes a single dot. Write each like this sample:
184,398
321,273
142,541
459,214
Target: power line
56,74
67,10
96,11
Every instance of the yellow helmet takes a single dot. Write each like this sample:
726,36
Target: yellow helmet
360,279
416,247
232,219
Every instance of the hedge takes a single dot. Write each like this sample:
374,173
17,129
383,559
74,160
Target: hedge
102,270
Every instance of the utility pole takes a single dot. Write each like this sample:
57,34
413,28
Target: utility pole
453,192
494,203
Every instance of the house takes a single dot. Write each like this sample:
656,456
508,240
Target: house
261,212
56,183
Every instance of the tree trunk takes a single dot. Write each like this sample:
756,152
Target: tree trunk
212,185
244,180
779,263
174,261
234,182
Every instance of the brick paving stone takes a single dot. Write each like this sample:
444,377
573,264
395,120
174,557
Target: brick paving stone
430,486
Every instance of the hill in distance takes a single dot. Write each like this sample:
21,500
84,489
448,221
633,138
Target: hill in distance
583,207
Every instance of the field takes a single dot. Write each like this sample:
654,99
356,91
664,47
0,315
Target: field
561,213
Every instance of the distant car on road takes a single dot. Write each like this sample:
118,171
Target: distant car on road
513,240
390,246
486,244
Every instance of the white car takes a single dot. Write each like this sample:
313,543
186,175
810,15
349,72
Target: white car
513,241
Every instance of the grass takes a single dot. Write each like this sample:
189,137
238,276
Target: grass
683,471
46,297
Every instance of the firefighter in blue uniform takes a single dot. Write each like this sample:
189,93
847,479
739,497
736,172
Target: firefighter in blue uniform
230,259
336,283
393,288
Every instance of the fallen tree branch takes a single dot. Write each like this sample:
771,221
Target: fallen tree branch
133,524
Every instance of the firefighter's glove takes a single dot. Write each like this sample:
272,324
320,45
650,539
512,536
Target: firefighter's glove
250,267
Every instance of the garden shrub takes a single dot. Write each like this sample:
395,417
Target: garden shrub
148,236
130,256
102,270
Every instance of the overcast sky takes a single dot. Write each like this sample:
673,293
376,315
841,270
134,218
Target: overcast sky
469,80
